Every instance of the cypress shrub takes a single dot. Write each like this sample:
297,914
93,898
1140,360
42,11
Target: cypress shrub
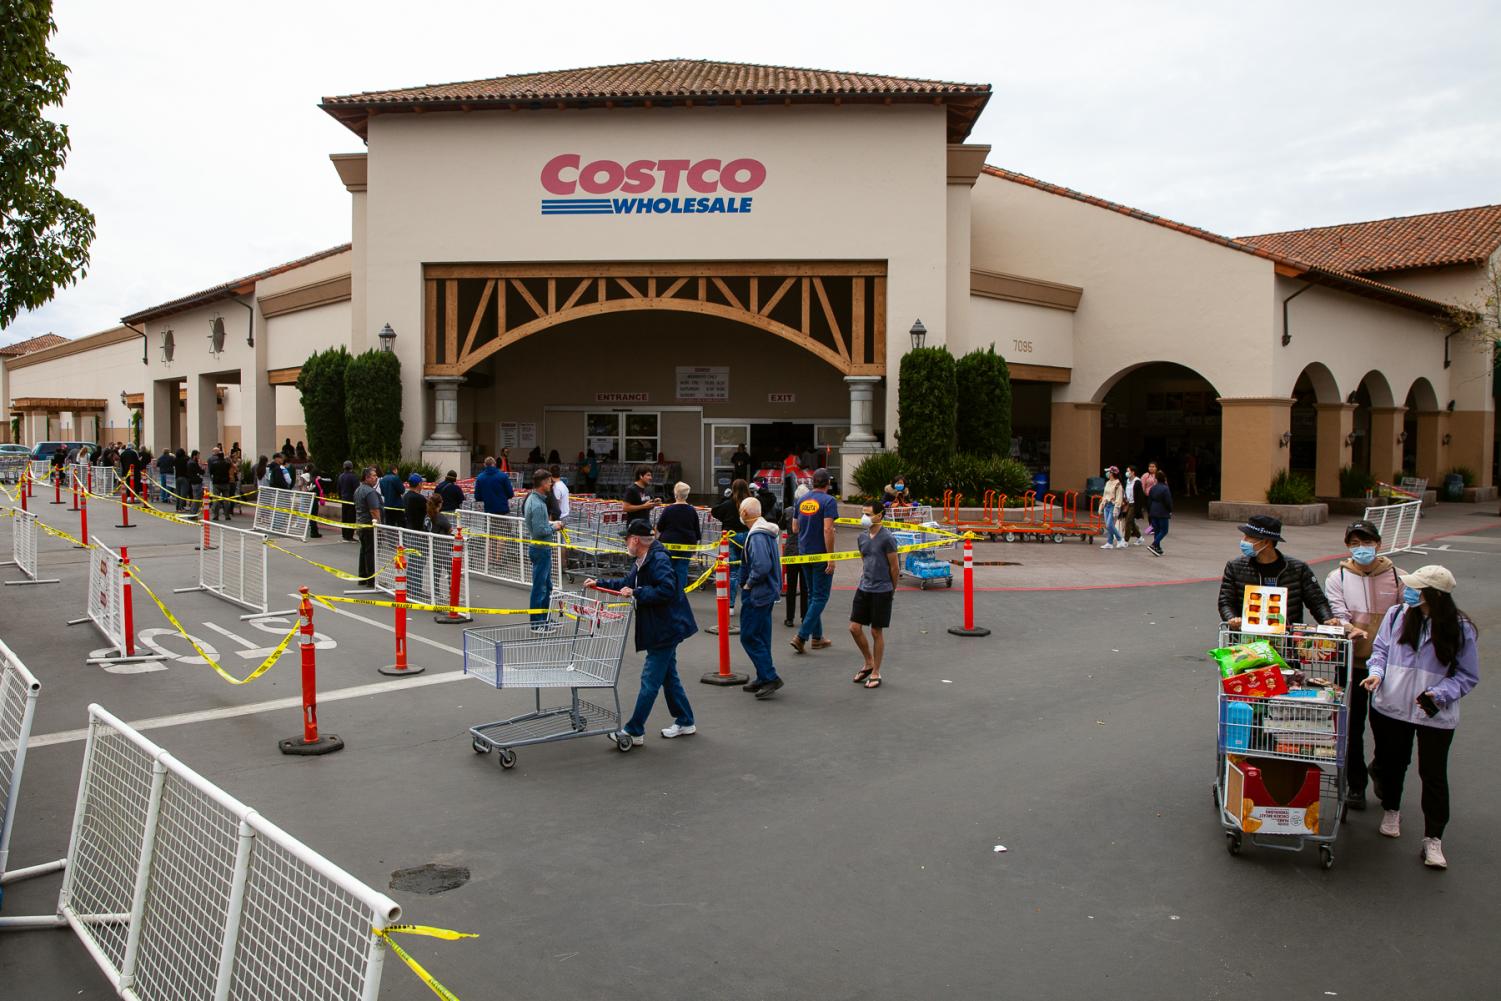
925,408
372,406
321,384
983,381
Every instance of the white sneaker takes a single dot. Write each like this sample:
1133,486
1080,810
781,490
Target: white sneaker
1135,542
1108,545
636,739
679,731
1121,544
1433,854
1391,824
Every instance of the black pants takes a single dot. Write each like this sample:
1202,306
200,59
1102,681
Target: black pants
1360,704
796,593
367,557
393,516
346,515
1393,756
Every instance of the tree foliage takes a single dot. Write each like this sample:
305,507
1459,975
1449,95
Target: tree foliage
984,403
44,236
925,408
372,406
321,384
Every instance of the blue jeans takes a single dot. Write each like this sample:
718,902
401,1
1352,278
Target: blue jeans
737,563
680,563
755,640
660,672
541,557
818,584
1159,530
1112,533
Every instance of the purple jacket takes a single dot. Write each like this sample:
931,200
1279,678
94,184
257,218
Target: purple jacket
1408,673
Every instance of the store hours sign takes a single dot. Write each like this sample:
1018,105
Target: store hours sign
602,186
703,384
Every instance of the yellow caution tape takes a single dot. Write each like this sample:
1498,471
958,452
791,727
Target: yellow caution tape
421,606
855,554
59,533
384,934
341,574
266,664
700,582
903,526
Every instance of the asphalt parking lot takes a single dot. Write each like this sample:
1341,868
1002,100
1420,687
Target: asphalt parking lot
831,842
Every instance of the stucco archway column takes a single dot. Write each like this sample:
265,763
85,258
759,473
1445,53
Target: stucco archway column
1075,448
1473,443
1432,452
1251,448
1386,448
1335,422
445,447
861,440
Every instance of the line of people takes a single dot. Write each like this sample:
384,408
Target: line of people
1125,501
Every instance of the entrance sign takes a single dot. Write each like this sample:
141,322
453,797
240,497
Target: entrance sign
716,180
703,383
622,397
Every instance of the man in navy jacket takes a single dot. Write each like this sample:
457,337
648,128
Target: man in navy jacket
492,488
663,620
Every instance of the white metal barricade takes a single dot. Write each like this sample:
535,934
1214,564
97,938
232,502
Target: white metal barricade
23,540
40,469
11,467
283,512
233,567
429,563
106,481
106,598
18,695
179,890
495,547
1397,523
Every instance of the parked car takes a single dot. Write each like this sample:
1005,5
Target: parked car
47,449
15,450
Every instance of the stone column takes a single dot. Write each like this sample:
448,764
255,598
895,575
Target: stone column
1335,422
1251,448
861,440
1473,443
445,447
203,414
1075,455
1386,449
1432,452
161,414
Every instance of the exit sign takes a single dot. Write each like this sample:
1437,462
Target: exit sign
781,397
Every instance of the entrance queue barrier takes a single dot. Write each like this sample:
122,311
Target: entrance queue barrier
495,547
283,512
179,890
18,694
109,605
428,565
23,540
1397,523
12,467
232,566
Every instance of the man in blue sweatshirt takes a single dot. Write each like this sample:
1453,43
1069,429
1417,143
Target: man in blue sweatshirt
492,488
544,530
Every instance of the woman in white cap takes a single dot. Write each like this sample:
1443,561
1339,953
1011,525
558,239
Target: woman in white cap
1424,660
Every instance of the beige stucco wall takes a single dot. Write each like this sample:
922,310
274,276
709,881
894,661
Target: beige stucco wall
1150,293
842,183
1023,334
293,337
97,374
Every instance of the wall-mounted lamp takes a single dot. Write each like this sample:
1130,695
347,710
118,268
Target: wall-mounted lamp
387,339
1350,439
124,397
1450,407
919,334
1285,440
1354,397
1401,437
1448,438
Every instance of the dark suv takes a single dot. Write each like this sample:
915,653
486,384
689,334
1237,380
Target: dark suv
47,449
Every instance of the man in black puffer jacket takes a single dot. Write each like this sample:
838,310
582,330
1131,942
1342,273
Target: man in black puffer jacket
1262,564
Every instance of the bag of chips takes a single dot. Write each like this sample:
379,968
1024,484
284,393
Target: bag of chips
1245,657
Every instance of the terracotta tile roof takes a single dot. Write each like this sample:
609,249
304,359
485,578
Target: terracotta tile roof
32,344
701,81
1433,239
1285,264
227,290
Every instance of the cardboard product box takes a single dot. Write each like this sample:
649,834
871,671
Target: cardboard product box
1274,797
1263,682
1264,610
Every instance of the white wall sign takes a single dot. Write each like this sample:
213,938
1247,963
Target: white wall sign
516,434
622,397
703,384
781,397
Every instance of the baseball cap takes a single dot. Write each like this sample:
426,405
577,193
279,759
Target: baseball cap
639,527
1364,529
1433,575
415,479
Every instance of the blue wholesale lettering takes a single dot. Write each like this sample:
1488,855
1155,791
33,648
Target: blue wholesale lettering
647,206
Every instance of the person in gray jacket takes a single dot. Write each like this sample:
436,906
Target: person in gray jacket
761,580
541,528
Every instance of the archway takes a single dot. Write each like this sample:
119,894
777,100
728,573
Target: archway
1422,432
1377,422
1165,413
1318,425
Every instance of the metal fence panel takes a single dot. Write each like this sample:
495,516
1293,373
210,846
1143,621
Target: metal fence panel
234,566
429,564
1397,523
11,467
18,695
283,512
23,539
495,547
40,468
106,598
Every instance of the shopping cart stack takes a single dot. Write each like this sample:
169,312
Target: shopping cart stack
577,649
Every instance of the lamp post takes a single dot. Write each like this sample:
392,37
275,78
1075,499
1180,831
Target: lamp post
387,339
919,334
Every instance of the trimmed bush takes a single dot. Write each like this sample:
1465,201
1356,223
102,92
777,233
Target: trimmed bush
971,475
925,408
1290,488
321,384
876,471
1355,482
983,423
372,406
1467,473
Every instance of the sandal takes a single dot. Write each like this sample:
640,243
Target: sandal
864,673
873,683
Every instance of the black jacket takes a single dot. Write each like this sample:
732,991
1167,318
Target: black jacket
414,504
218,471
1303,590
1160,502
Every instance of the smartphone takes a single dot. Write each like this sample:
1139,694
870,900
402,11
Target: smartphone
1428,705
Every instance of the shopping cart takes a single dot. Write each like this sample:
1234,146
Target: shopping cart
579,648
924,564
1295,740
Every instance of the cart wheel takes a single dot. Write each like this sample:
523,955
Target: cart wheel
507,758
1326,857
480,747
623,742
1232,842
1214,790
1057,536
948,581
1009,536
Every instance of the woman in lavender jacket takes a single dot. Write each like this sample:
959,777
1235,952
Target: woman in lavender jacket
1424,660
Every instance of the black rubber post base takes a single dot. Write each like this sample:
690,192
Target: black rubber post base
411,669
325,744
125,526
724,680
714,629
977,631
458,620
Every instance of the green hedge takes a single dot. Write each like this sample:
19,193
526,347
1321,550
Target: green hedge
1290,488
321,384
925,408
971,475
983,382
372,406
1355,482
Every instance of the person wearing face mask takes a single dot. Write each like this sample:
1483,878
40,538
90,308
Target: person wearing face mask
1362,589
1423,661
895,493
1130,509
879,570
1261,563
1110,502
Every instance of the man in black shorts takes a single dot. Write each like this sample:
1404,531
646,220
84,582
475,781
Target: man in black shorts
878,575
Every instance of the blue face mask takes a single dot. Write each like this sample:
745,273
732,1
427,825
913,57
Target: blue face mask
1364,555
1411,597
1247,548
900,486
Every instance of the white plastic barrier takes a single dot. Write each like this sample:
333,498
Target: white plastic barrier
283,512
178,890
106,598
503,557
429,564
1397,523
23,540
233,567
18,694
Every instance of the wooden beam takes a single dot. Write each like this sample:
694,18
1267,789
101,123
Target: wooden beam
500,309
574,297
776,296
479,312
703,289
807,309
857,321
430,327
634,292
755,288
878,323
451,323
651,288
530,299
672,289
283,376
659,269
552,296
725,290
828,314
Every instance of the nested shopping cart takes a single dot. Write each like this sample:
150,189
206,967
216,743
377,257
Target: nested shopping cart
1306,726
924,565
577,649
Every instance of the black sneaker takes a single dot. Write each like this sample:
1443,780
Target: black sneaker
1155,550
753,687
769,689
1355,800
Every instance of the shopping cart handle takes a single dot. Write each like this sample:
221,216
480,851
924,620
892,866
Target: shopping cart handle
605,590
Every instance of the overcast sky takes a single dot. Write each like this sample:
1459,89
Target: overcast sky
198,144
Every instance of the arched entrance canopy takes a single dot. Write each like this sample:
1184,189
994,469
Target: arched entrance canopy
833,309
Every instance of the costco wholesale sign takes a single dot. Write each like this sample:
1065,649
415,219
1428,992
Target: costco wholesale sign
649,187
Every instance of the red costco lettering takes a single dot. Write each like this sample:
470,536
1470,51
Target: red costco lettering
567,174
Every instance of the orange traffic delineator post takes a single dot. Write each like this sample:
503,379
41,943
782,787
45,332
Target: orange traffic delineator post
723,624
311,742
73,479
83,520
722,602
25,487
969,628
207,543
401,668
455,578
125,505
57,487
127,605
